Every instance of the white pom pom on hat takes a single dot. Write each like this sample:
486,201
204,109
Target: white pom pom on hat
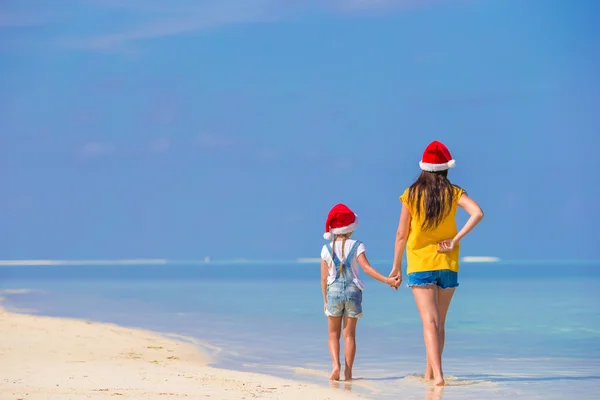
340,220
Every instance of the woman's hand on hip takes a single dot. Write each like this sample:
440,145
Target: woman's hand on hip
446,246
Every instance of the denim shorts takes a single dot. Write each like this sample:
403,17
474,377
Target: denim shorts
443,278
344,299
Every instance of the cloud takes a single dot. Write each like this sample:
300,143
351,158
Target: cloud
480,259
160,145
165,112
465,100
308,260
208,141
342,164
51,263
17,20
268,155
96,149
363,6
160,21
114,25
84,117
110,84
157,18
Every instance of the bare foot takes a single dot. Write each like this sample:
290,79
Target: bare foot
348,375
428,373
335,374
440,382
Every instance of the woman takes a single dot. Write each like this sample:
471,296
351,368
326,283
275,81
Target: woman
427,229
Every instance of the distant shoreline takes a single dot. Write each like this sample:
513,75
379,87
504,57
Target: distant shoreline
204,262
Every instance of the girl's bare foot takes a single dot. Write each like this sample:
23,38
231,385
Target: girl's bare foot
335,374
440,382
348,374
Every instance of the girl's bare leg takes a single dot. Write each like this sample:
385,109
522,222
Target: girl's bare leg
335,327
444,297
349,345
427,303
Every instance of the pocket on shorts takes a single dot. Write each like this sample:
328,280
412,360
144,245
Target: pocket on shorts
334,292
354,293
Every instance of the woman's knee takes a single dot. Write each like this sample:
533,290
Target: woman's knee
431,325
431,321
441,330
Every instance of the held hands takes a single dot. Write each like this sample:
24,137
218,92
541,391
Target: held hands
447,245
395,279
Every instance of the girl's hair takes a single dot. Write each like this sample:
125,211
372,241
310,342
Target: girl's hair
432,194
343,237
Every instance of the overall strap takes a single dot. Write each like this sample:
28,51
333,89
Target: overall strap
334,257
350,255
353,250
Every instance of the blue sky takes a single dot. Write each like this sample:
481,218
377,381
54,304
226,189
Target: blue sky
179,129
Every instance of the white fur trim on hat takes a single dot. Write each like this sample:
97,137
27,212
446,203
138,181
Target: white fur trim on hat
342,230
437,167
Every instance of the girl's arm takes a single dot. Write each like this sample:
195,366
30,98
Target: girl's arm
401,237
475,216
324,274
373,273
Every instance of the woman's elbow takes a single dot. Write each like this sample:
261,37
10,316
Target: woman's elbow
479,214
401,236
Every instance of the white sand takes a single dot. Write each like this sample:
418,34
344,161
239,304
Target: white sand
57,358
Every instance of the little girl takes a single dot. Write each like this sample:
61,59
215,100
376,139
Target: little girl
427,229
341,286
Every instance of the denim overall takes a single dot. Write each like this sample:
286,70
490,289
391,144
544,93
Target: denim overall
344,297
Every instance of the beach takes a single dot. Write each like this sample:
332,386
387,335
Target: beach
265,326
62,358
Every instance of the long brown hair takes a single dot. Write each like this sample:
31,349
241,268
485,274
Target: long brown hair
432,194
342,261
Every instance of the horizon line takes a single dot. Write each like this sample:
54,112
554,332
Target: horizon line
209,261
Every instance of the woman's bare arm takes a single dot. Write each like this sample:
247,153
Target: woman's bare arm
475,216
401,237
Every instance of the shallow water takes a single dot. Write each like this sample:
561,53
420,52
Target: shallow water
513,331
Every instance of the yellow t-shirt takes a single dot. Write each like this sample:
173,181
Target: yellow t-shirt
422,246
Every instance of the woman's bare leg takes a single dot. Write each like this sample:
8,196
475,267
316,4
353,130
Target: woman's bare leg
335,327
349,345
427,303
444,296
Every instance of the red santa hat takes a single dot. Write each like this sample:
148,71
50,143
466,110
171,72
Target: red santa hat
436,157
340,220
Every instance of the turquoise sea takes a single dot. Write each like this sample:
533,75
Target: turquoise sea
515,330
